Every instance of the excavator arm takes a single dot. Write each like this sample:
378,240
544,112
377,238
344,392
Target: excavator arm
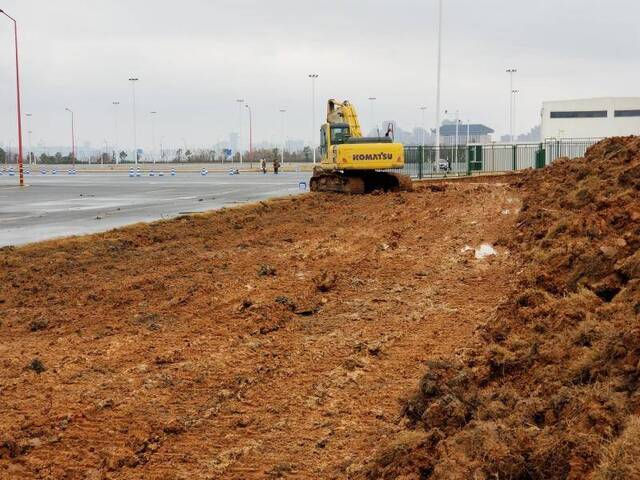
344,112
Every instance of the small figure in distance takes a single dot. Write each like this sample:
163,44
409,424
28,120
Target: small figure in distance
263,166
276,166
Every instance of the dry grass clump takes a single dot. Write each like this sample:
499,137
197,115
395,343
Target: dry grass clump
553,392
621,459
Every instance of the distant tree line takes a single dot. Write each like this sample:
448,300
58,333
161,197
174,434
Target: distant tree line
179,156
213,156
57,159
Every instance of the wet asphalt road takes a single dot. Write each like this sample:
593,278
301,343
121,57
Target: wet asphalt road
63,205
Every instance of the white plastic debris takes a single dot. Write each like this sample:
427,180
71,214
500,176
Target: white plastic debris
466,249
485,250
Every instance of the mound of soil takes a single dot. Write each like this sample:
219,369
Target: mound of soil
551,390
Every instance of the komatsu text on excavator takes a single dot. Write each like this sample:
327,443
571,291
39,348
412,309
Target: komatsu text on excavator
352,163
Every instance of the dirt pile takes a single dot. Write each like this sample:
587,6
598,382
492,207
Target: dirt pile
551,391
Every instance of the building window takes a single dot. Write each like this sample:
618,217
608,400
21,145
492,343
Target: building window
627,113
583,114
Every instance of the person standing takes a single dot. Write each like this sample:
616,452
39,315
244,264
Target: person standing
263,166
276,166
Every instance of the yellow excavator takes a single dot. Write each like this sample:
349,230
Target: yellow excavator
355,164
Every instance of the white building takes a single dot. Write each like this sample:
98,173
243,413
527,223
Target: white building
591,118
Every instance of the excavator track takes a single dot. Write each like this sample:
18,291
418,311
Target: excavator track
359,182
405,184
337,182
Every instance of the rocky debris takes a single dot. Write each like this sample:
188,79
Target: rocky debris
246,304
286,302
266,271
37,366
38,325
435,187
485,250
326,281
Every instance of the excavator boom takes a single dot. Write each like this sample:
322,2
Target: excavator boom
344,112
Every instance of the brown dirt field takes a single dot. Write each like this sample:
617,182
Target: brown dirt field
269,341
552,392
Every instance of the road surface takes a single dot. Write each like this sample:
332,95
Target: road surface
63,205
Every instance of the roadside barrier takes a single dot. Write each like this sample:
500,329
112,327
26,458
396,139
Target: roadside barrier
475,158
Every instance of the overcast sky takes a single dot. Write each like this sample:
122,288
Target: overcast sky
194,58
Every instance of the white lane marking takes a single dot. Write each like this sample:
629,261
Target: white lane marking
163,190
22,217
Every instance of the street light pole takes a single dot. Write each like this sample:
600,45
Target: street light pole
30,150
250,134
438,88
153,135
73,137
513,121
115,146
424,128
30,155
240,102
20,159
313,78
161,150
373,114
511,72
457,137
283,112
135,132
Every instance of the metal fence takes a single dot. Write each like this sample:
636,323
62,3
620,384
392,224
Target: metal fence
421,162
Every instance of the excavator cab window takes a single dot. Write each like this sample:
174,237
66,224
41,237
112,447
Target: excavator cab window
339,134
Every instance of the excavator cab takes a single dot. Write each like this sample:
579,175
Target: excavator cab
330,135
340,134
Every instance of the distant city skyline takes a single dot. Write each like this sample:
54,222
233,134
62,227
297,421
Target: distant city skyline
403,134
195,60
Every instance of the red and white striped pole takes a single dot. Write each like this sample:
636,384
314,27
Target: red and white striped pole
15,32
